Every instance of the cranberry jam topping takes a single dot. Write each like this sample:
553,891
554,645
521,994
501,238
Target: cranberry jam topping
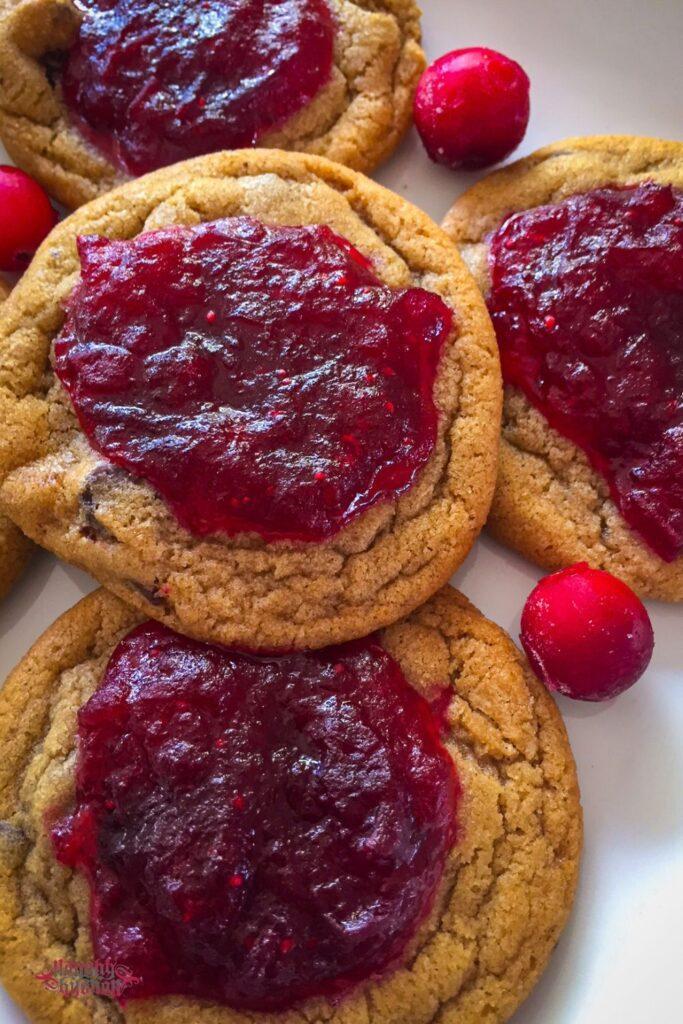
260,378
156,81
257,830
587,302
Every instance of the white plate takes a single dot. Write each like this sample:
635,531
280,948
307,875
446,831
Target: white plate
596,66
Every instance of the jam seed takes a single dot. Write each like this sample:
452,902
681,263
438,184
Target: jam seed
238,802
550,322
286,946
235,881
210,316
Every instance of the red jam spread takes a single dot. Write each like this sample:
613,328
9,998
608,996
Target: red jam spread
156,81
257,830
259,378
587,302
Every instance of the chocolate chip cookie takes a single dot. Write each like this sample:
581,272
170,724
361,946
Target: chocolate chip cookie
93,94
256,395
503,893
589,232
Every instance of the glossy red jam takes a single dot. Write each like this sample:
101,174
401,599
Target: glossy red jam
156,81
260,378
256,830
587,301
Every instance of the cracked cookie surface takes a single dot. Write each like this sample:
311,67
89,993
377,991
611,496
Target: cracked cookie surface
241,589
14,547
358,118
509,880
550,504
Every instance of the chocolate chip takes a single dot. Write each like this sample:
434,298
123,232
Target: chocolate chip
53,63
151,595
101,476
13,842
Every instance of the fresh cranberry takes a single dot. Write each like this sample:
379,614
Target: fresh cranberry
586,634
270,361
587,301
151,82
257,830
26,217
472,107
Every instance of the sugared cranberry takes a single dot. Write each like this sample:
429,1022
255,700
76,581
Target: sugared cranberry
587,301
257,830
305,397
154,81
26,217
472,107
586,634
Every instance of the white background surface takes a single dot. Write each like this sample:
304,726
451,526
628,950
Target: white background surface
596,66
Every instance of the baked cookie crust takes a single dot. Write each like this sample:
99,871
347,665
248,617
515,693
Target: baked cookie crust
358,118
242,590
550,504
509,881
14,547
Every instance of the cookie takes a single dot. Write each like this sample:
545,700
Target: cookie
550,503
357,111
14,547
508,882
14,553
241,588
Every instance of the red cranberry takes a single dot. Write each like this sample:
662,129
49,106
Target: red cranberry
586,634
472,107
26,217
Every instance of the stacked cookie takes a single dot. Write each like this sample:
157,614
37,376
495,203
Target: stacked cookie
276,766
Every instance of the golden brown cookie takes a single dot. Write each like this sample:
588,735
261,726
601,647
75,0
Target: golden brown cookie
508,884
550,504
14,553
241,589
14,547
358,118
